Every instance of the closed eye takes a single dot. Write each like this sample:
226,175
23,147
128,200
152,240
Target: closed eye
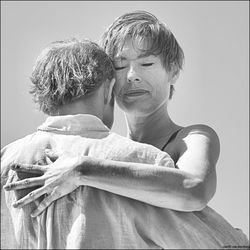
119,68
147,64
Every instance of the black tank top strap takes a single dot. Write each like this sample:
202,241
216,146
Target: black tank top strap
170,138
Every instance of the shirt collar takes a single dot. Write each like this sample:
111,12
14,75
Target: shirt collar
73,124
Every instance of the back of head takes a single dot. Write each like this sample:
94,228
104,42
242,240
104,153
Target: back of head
66,70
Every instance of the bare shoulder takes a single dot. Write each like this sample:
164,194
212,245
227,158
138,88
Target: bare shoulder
199,142
199,130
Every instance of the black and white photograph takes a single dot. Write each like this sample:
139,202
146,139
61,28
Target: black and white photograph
124,124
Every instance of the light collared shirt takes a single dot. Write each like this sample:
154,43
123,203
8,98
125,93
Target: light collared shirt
93,218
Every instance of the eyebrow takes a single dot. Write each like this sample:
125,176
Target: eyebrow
123,58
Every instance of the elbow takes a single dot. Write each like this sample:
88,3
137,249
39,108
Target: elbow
192,204
203,192
199,204
191,199
198,196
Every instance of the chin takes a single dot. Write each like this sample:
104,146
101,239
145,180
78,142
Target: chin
141,107
137,110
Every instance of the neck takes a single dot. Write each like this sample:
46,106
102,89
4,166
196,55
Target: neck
80,106
154,128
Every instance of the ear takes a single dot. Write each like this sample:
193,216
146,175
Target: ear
108,92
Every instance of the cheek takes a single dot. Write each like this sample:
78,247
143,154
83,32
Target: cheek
120,75
119,83
162,88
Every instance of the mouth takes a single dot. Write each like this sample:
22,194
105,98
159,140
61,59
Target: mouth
136,92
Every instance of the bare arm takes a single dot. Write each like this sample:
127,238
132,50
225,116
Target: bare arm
188,188
199,150
155,185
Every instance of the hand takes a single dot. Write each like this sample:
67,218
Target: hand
58,179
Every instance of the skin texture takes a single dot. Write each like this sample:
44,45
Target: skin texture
142,90
195,149
142,84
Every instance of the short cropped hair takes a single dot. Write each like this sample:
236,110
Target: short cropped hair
145,27
67,70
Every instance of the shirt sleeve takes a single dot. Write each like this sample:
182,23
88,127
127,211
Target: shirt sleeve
163,159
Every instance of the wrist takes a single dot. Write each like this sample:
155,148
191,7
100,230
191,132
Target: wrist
86,168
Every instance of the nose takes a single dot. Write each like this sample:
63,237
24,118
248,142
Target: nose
133,76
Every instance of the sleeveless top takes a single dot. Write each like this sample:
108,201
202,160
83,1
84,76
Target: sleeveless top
171,138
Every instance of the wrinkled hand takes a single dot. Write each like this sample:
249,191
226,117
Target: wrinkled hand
58,179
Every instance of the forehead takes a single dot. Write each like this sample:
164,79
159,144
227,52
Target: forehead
133,49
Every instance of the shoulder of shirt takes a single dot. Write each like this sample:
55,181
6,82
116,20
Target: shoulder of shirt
130,141
137,145
17,142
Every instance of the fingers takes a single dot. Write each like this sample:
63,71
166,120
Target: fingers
32,196
30,168
26,183
36,202
45,203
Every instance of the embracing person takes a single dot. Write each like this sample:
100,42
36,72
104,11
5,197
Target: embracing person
101,190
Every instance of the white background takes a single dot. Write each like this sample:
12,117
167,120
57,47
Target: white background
213,88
